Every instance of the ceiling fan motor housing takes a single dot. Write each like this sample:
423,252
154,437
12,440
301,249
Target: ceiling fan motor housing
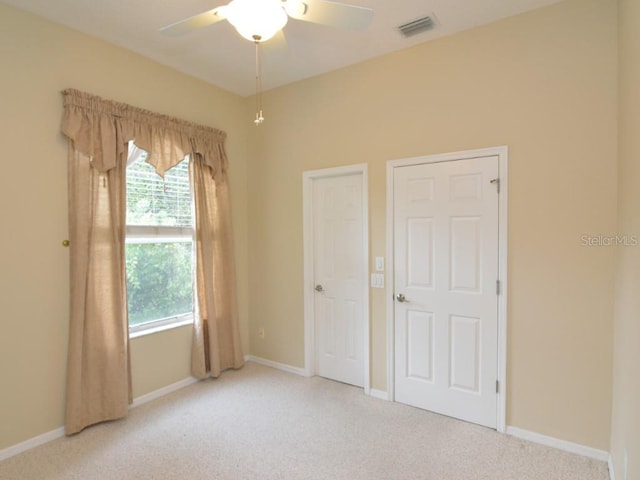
257,20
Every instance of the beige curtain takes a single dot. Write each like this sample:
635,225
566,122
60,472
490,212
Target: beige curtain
98,381
216,336
98,371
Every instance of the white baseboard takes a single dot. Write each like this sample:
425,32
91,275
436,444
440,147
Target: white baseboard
571,447
381,394
31,443
612,471
59,432
277,365
161,392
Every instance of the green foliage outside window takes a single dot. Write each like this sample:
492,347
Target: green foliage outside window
159,282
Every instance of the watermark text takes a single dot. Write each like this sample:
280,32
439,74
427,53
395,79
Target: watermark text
609,240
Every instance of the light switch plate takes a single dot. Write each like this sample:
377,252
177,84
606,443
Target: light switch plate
379,264
377,280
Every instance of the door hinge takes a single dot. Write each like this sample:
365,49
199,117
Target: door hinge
497,182
497,287
497,386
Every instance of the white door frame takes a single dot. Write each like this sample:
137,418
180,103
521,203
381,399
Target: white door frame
309,293
502,153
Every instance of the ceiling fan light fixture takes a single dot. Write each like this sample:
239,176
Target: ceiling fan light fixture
256,18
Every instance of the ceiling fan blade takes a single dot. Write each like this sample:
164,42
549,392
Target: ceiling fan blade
191,24
330,13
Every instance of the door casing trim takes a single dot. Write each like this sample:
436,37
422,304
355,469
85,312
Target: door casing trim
307,225
502,153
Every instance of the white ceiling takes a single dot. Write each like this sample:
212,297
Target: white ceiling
218,55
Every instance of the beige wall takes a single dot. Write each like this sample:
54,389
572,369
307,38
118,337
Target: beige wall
625,433
38,59
544,84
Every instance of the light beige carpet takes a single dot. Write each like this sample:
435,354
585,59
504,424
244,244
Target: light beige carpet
260,423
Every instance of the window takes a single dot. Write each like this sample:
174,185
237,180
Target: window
159,245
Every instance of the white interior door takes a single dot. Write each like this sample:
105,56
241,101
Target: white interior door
338,236
445,281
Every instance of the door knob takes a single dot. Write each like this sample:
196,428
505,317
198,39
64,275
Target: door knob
319,288
401,298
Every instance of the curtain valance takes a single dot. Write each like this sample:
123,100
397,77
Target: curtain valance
101,129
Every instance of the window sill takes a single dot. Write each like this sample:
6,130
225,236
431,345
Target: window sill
161,328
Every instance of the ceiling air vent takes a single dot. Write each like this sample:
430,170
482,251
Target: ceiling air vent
420,25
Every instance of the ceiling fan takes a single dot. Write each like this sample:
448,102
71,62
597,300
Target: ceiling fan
260,20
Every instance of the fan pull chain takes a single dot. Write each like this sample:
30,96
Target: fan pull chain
259,117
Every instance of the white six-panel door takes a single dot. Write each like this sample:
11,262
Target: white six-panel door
446,267
338,230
